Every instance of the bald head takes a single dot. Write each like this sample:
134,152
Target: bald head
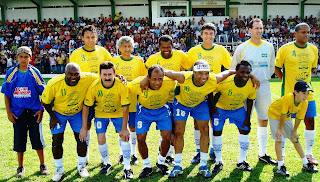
72,66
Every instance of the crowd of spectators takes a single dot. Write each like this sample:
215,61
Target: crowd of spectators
53,41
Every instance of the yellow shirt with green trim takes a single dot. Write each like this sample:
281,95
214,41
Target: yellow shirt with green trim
286,106
233,96
108,100
191,95
153,99
131,69
67,100
217,56
89,61
296,63
175,62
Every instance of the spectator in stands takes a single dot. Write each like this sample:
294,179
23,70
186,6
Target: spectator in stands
182,14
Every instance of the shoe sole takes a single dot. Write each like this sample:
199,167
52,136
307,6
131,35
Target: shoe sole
266,162
179,173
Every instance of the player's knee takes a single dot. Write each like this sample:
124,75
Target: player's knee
132,128
244,132
217,133
57,140
309,122
141,138
166,137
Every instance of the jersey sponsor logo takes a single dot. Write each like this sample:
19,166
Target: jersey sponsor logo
71,111
21,92
100,93
303,61
302,76
109,103
73,98
155,100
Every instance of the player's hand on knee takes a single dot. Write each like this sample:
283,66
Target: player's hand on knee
40,115
279,133
11,117
53,122
247,123
124,135
294,135
83,134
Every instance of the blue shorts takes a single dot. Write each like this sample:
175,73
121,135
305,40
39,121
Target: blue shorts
237,117
200,112
145,117
74,120
101,124
132,119
311,111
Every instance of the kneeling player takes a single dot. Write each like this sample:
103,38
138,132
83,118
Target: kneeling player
232,93
112,104
281,125
153,107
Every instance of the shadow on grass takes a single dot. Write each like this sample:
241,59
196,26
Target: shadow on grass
301,175
257,170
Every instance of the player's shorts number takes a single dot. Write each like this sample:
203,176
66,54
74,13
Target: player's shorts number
216,121
99,125
58,126
139,124
181,112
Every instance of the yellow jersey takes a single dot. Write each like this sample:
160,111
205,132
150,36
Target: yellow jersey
175,62
67,100
153,99
89,61
286,106
233,96
108,100
296,63
217,56
130,69
191,95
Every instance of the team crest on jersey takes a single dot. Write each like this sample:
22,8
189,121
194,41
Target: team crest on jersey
264,55
21,92
73,98
303,61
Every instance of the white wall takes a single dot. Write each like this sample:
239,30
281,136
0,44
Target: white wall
20,3
312,10
134,11
57,13
94,2
247,10
23,14
94,12
285,10
131,2
56,3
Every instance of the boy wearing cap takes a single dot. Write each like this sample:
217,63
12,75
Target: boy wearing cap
22,87
281,125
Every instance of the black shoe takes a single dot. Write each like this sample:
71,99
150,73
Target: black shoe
196,159
20,172
134,160
283,171
267,159
105,169
310,168
217,167
120,159
128,174
146,172
244,166
44,170
170,161
163,169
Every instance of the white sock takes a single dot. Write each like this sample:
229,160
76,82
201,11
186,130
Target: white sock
133,142
171,150
304,160
310,136
217,147
244,146
178,159
284,140
210,136
104,153
262,134
280,163
125,147
81,162
59,164
88,144
203,158
161,159
146,162
119,139
196,134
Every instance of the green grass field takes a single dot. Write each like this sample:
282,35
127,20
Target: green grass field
230,153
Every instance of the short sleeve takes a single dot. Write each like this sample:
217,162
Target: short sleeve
48,94
125,99
89,100
302,112
279,59
227,59
285,106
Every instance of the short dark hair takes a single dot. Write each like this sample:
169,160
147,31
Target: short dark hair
244,63
107,65
208,26
254,20
153,67
165,38
298,27
88,28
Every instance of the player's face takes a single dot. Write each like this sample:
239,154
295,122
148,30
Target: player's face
89,38
126,48
243,73
73,77
302,96
156,79
303,34
23,59
107,77
165,48
201,77
256,30
208,36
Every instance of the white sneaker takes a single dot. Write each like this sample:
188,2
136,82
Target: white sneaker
83,172
57,175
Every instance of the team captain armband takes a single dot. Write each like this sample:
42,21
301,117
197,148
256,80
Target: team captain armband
201,67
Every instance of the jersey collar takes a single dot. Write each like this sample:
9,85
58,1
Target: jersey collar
299,46
110,86
207,49
87,50
166,58
234,79
126,59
